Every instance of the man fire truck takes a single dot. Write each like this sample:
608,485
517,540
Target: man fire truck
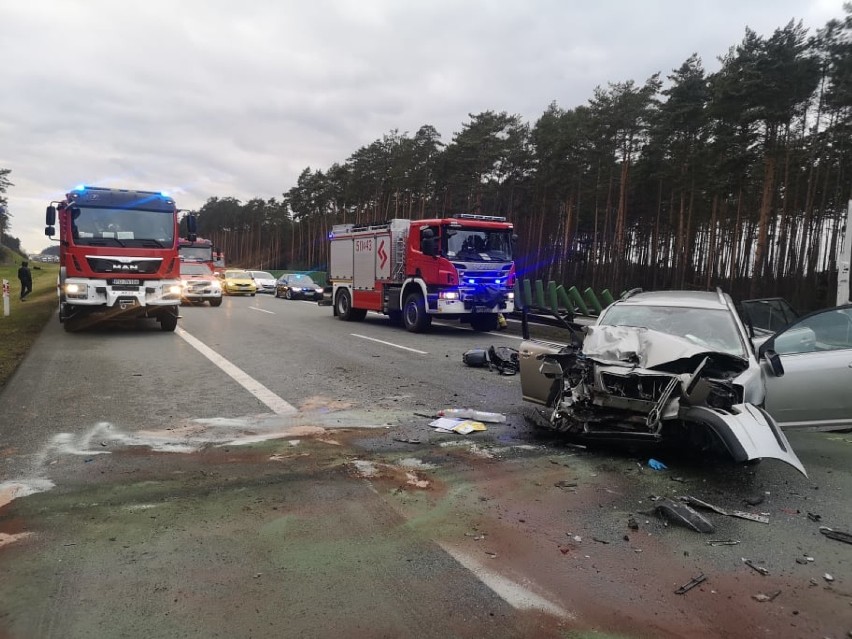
118,256
413,270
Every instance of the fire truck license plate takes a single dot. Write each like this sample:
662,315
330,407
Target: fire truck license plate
125,282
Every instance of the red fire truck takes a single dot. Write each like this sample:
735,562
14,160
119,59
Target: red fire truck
457,268
201,250
118,256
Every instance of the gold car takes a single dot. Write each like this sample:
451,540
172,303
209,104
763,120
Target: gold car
238,282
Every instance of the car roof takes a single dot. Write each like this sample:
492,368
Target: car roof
687,299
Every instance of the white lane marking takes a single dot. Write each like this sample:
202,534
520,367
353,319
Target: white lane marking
261,392
262,310
512,593
373,339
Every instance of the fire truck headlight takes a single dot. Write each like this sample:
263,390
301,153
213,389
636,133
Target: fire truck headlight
449,295
174,289
77,291
510,295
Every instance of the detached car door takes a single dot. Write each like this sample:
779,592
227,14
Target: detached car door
815,390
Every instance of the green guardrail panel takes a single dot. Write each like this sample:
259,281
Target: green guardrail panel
592,300
539,293
578,300
551,296
527,293
564,300
606,296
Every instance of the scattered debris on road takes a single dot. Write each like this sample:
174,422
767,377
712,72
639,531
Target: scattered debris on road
692,583
460,426
698,503
748,562
764,598
471,413
837,535
723,542
683,515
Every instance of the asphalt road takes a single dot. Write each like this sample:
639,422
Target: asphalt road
267,471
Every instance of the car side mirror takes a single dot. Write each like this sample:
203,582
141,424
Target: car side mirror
774,361
50,216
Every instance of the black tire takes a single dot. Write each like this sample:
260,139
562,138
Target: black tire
343,306
253,294
168,321
288,294
484,323
414,314
217,301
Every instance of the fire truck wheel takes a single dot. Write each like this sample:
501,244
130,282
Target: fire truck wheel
484,323
168,321
414,314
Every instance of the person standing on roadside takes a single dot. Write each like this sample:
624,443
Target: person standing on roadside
26,280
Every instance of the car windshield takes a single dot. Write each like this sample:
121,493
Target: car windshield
237,275
194,269
262,275
713,329
301,280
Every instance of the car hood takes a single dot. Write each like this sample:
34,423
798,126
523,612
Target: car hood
646,348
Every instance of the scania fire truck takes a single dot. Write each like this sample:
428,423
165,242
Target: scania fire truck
457,268
201,250
118,256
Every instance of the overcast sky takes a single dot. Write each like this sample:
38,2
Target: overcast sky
207,98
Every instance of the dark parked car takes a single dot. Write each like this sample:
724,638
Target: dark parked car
294,286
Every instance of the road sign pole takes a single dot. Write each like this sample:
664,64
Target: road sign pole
6,298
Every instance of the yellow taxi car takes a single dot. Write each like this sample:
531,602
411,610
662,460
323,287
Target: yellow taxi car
238,282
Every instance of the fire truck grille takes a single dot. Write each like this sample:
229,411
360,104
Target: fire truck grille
483,276
108,265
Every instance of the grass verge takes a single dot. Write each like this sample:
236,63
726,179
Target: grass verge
20,329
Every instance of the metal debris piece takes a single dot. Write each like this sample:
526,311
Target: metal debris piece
828,577
814,517
698,503
691,584
748,562
837,535
763,519
565,484
406,440
683,515
632,524
599,540
723,542
762,598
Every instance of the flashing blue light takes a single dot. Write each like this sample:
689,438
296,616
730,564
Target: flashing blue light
471,281
164,193
79,187
331,236
499,281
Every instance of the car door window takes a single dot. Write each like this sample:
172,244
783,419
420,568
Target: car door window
829,330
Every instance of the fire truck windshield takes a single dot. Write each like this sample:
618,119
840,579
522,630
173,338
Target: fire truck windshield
126,227
473,245
196,253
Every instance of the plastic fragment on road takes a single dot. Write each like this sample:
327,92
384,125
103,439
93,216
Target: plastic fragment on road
692,583
760,518
476,357
460,426
837,535
470,413
723,542
657,465
682,515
